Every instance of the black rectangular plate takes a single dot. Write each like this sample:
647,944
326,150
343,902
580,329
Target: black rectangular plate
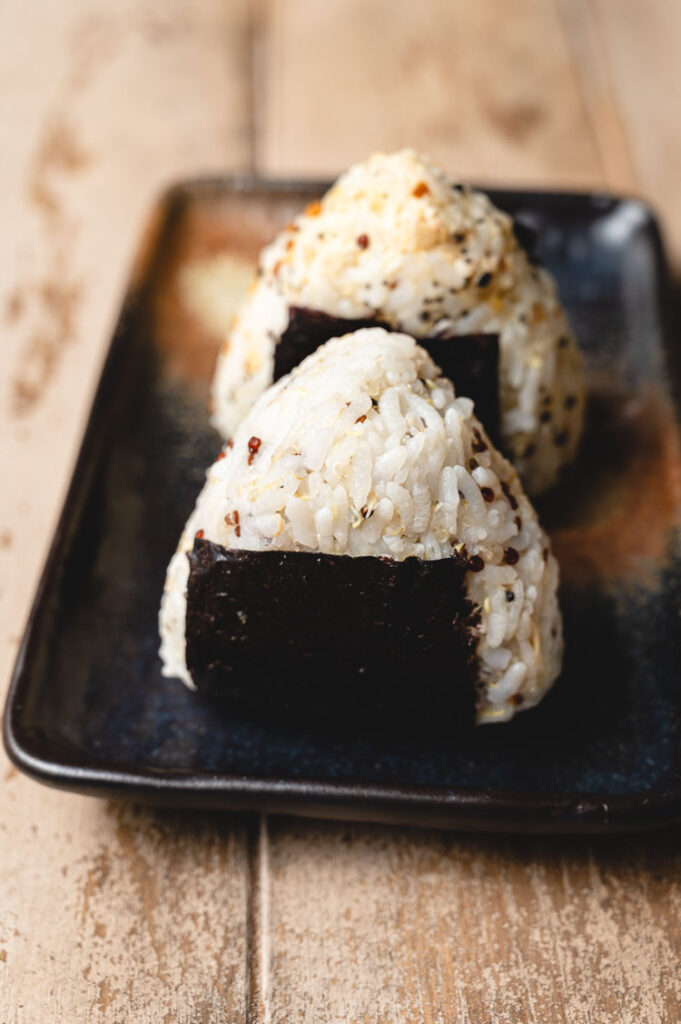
88,709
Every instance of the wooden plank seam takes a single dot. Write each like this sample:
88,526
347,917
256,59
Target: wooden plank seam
258,924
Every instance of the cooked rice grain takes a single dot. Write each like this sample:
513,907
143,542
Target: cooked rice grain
438,260
354,458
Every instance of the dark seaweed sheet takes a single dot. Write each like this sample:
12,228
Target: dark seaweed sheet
470,361
308,633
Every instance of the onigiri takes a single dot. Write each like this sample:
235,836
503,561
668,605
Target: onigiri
395,242
364,456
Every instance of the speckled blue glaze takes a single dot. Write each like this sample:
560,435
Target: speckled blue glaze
88,690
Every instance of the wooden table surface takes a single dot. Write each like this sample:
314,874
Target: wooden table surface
112,913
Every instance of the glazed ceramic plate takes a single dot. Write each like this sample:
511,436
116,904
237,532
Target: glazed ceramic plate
88,709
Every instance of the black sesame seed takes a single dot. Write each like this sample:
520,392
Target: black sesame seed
473,464
510,596
459,237
511,556
545,416
561,438
570,401
478,443
510,497
457,187
484,280
488,494
476,563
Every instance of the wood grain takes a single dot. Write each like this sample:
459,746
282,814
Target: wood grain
383,925
110,911
106,914
588,50
641,43
488,89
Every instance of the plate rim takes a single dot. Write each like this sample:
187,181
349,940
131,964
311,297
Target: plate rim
497,810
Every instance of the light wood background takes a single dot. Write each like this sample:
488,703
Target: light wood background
110,913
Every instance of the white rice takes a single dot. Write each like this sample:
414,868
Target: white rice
394,239
365,450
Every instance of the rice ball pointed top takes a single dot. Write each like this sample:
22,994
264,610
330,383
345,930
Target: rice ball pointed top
395,241
365,450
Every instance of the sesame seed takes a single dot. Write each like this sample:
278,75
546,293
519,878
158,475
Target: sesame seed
511,556
478,443
510,497
253,448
